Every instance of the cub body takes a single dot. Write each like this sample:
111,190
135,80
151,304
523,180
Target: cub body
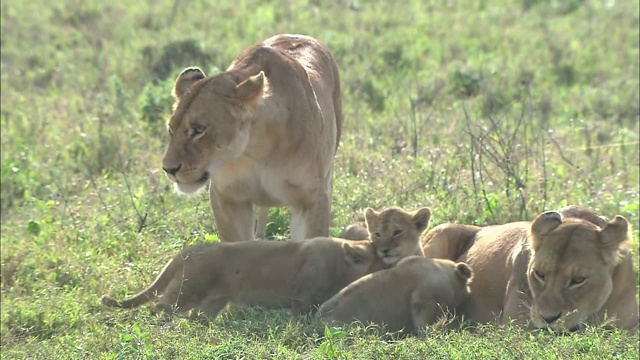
414,293
273,274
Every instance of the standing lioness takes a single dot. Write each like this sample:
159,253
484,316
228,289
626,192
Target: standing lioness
290,274
264,133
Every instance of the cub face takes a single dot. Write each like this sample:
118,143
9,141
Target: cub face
396,233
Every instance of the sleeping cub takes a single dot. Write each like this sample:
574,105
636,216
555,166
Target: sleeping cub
414,293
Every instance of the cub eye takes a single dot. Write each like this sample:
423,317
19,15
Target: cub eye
577,280
397,233
538,275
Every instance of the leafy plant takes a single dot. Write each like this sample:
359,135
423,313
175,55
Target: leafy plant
330,345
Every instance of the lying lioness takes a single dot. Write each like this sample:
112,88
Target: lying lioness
566,268
296,275
414,293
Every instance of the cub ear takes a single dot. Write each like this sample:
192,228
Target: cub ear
463,271
615,232
370,217
421,219
356,254
187,77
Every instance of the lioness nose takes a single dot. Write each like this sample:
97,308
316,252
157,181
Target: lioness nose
172,171
552,318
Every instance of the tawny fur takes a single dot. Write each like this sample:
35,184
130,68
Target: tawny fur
263,133
585,270
297,275
394,231
415,293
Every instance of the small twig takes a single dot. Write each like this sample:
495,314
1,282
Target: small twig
555,142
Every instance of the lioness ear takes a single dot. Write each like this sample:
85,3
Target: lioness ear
248,94
184,81
615,232
546,222
421,219
251,91
370,217
356,254
463,271
542,225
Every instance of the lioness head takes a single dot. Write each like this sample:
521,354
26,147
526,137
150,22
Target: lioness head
209,126
570,269
396,233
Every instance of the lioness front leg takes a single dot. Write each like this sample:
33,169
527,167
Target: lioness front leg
261,225
312,221
517,299
234,221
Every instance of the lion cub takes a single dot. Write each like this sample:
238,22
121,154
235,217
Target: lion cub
414,293
396,233
289,274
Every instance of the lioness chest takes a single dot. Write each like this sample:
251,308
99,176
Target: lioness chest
254,182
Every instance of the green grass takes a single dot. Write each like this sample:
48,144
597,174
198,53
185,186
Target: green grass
485,111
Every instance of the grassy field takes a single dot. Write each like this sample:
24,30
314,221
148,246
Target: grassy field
485,111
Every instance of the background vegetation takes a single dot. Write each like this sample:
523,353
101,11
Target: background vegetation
485,111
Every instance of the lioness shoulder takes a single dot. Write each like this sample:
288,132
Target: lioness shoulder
414,293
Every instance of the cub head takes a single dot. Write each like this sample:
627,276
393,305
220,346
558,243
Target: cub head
210,124
570,270
361,256
464,276
396,233
464,272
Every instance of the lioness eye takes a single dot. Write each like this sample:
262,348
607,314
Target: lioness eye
197,130
397,233
538,275
577,280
